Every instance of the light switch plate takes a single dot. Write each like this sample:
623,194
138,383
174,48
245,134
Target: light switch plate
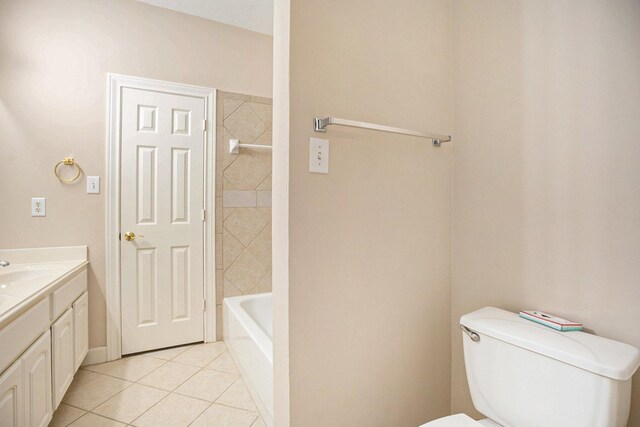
38,206
318,155
93,185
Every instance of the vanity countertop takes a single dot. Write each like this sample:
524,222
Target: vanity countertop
33,274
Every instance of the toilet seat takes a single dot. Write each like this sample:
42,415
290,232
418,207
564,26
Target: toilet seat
459,420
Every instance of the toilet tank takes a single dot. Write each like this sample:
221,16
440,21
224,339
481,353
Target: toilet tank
522,374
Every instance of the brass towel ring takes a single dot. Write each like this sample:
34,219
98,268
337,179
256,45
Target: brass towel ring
67,161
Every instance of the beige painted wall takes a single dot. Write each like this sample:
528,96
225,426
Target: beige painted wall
53,84
547,165
369,263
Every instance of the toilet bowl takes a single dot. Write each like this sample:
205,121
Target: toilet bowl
460,420
509,360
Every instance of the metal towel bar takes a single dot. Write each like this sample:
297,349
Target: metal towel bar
320,125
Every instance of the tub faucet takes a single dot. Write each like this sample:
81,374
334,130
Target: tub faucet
4,263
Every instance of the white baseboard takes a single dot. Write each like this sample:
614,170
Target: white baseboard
95,355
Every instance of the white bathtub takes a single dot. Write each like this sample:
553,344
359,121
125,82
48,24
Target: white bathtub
248,332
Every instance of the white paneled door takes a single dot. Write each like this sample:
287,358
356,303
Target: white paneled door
161,215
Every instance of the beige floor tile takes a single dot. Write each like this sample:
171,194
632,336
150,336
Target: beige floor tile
172,411
238,396
134,368
169,353
93,420
83,377
224,363
259,423
200,355
207,385
65,415
223,416
130,403
102,368
92,393
169,376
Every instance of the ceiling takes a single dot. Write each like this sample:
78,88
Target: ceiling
254,15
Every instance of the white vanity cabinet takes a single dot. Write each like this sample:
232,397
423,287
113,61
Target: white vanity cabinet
36,368
80,330
63,358
12,396
41,349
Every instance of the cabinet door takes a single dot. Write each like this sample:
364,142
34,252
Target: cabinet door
62,338
80,329
37,383
12,396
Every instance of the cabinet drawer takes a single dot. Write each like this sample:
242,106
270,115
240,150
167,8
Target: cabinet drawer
68,293
19,334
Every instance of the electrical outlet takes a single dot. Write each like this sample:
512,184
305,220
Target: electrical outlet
38,206
93,185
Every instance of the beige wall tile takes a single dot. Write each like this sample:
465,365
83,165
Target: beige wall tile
261,245
249,170
264,111
231,105
261,100
264,285
231,249
246,223
219,322
232,95
245,124
266,138
230,290
263,199
219,286
265,185
246,272
239,198
223,151
219,218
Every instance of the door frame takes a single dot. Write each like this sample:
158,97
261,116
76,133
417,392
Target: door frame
115,84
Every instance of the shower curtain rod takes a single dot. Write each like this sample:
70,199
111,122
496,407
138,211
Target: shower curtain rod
320,125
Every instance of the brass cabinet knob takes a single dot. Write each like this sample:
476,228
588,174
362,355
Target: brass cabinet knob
130,235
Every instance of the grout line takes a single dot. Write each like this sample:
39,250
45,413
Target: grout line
225,117
170,392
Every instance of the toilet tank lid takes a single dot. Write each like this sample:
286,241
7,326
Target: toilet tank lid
593,353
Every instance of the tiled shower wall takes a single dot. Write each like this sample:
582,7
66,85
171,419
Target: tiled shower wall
243,198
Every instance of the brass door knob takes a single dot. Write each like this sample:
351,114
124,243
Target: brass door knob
130,235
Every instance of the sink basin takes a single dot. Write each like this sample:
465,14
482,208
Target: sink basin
22,275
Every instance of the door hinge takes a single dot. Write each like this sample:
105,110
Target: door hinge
204,305
204,125
204,214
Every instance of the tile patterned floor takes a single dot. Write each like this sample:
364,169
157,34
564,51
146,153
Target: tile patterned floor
197,385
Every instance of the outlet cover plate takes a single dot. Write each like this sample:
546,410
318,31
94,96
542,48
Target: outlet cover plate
93,185
38,206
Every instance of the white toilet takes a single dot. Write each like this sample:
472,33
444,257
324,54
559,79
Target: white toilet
522,374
